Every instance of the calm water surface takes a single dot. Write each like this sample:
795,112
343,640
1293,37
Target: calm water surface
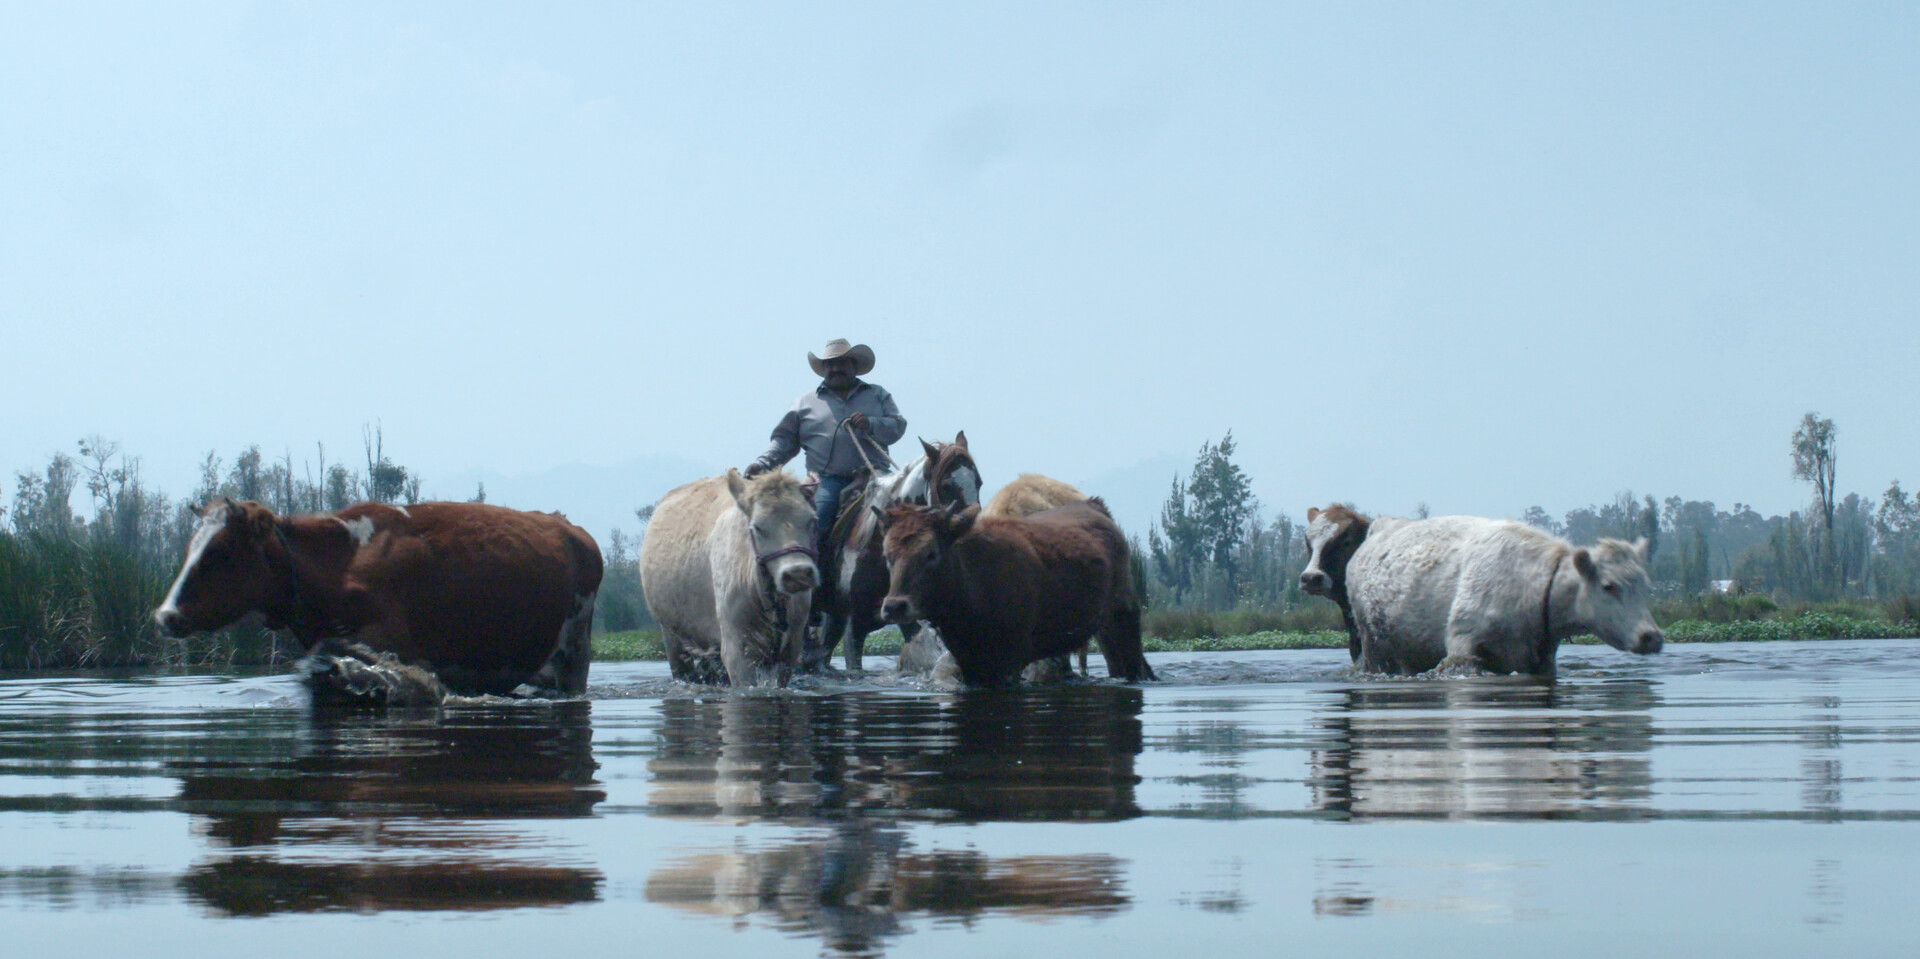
1742,799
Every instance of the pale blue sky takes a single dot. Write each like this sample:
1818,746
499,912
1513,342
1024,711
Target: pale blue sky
1480,256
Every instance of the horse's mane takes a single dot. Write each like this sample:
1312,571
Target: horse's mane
908,481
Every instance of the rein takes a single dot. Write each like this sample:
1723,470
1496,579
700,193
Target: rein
861,448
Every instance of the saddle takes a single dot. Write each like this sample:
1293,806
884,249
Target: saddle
853,500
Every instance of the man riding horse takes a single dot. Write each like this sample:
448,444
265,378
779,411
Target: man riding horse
845,426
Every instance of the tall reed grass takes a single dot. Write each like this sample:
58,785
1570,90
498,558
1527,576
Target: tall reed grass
73,603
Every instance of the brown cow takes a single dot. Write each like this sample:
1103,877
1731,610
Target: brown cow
486,597
1004,592
1031,493
1332,535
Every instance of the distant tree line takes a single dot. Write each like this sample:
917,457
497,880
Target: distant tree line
1840,547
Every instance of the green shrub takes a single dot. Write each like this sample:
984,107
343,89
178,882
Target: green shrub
1179,624
1811,624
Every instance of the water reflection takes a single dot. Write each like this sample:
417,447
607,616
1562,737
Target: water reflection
855,884
860,762
1049,755
369,813
1488,748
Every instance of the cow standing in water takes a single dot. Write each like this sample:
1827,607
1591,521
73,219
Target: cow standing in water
1333,535
1462,591
486,598
728,570
1005,592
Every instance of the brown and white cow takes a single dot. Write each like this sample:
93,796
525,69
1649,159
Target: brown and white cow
485,597
728,569
1463,591
1004,592
1333,535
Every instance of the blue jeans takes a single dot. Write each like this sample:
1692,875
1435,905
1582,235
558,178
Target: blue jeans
826,509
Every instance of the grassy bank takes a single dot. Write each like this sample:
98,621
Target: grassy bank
1805,625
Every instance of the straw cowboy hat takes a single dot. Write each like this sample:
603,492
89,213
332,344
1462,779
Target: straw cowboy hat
862,357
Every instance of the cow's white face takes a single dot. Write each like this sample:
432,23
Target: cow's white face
1332,535
225,574
779,528
1615,594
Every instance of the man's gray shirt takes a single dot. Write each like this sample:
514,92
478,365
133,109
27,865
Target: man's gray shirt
812,425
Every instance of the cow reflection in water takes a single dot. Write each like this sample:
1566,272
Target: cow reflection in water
1488,748
371,813
854,885
866,761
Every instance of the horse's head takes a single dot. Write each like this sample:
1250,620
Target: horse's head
226,574
951,474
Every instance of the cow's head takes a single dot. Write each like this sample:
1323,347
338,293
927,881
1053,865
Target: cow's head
1614,594
1332,535
226,574
918,541
779,527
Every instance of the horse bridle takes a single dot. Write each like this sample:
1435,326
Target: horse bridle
941,471
769,589
762,559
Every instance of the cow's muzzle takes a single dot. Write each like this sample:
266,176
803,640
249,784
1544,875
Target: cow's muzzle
1316,582
799,577
897,609
170,622
1649,641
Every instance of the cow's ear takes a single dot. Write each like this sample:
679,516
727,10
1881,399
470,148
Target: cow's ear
1583,561
738,487
960,439
1640,548
933,452
233,509
1313,513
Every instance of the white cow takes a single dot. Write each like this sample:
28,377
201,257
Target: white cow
728,569
1493,594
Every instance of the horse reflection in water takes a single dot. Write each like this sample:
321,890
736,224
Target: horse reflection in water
1488,748
318,826
854,764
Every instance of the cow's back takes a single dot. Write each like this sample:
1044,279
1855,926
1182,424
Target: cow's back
1031,493
479,591
1401,582
1413,582
1066,568
676,575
